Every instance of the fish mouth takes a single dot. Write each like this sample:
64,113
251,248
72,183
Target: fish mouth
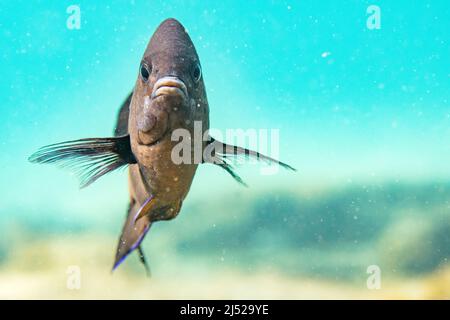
169,86
155,142
145,140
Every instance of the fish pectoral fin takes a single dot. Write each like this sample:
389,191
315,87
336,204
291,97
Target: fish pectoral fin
227,167
220,152
89,158
223,150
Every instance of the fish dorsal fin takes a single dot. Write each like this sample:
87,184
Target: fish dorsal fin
121,128
89,158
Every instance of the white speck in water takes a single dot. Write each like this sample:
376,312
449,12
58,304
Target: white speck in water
325,54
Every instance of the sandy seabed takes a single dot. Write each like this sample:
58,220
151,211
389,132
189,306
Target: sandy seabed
42,271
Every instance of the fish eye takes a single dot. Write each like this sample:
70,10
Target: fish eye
197,72
145,71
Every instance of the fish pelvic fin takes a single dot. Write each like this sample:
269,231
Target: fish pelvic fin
144,261
133,232
88,158
221,152
145,209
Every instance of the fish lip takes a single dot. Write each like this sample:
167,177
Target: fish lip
151,144
169,85
161,137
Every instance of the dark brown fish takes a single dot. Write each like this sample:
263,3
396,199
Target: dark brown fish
169,95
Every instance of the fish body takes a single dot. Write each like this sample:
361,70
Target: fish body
169,95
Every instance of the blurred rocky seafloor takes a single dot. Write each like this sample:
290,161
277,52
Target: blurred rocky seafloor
277,244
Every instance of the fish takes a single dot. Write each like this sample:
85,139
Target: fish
169,95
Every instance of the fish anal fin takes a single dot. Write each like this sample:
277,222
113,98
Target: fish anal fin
133,232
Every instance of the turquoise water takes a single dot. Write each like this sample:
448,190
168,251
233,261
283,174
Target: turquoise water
354,106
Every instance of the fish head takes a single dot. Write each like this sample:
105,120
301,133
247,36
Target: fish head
169,92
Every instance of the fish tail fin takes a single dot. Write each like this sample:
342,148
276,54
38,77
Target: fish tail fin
89,158
222,151
133,232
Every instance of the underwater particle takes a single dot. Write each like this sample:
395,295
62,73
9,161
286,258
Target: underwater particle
325,54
